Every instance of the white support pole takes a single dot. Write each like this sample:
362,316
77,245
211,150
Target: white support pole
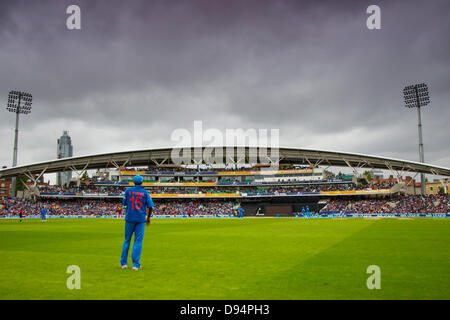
350,166
40,175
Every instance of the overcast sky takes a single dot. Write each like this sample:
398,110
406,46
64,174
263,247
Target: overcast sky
138,70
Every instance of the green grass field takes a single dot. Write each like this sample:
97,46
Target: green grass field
267,258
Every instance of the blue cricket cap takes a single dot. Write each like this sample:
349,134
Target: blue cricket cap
138,179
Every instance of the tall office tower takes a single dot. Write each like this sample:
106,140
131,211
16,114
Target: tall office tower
64,150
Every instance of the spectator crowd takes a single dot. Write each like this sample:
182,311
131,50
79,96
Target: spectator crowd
404,204
118,190
58,207
12,207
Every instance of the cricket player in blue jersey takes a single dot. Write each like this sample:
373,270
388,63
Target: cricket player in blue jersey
139,206
43,213
241,212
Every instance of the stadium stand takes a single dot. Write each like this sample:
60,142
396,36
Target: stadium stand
186,191
403,204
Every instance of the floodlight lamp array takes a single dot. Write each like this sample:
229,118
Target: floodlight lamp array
416,95
19,102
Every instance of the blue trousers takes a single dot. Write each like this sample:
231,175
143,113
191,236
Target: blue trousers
138,229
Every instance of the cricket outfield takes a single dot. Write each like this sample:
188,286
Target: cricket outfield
213,258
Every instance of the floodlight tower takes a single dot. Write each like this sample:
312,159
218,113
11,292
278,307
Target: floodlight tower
417,96
18,102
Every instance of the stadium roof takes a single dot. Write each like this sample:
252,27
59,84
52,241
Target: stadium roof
145,157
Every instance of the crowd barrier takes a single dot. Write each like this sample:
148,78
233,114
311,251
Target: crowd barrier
316,216
356,215
116,216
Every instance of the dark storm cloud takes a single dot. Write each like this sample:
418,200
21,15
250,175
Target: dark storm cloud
140,69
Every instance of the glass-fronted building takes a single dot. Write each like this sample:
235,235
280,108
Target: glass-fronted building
64,150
